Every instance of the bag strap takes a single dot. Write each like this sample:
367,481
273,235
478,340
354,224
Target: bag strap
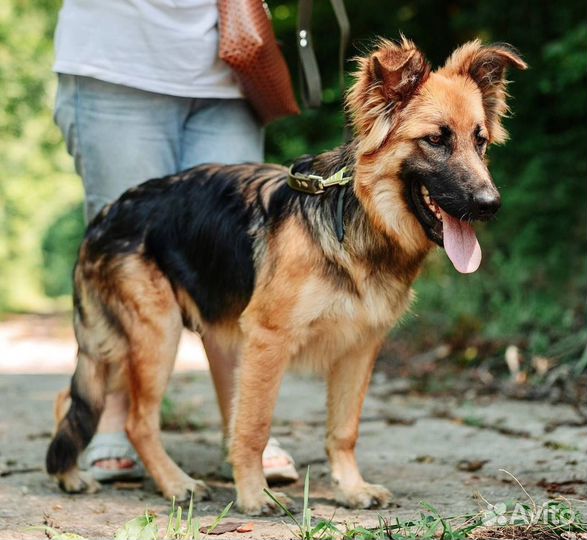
310,80
345,32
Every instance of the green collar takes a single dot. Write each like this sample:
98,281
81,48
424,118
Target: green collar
314,185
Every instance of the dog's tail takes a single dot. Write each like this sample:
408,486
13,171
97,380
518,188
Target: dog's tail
77,427
77,423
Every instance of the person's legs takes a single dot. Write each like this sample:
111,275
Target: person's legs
221,131
118,137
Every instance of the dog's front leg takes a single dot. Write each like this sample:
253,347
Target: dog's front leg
261,369
348,380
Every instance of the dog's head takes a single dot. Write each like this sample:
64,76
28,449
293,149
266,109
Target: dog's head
422,137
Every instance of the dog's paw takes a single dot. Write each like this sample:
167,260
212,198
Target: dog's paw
185,488
263,505
364,496
76,481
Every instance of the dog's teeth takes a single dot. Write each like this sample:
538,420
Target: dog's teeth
430,202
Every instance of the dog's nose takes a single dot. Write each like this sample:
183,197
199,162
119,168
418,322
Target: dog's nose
487,203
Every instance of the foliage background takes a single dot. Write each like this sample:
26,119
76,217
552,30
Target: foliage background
531,288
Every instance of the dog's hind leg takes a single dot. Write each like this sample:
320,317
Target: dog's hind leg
348,380
150,366
153,329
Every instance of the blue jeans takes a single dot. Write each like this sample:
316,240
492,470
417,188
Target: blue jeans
121,136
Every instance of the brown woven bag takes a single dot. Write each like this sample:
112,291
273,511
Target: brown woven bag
248,46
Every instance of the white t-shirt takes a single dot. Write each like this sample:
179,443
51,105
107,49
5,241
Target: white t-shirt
164,46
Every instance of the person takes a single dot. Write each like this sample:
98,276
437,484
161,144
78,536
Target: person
142,94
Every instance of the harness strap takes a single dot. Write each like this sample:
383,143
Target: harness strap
340,214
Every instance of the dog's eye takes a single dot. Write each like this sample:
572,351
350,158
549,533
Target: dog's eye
434,140
481,141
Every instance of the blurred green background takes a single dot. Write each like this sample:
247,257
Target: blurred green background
532,286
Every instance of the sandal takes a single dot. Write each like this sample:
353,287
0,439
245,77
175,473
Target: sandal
106,446
278,465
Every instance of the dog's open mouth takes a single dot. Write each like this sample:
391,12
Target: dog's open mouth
456,236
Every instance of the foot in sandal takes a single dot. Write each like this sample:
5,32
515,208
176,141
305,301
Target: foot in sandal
278,465
111,457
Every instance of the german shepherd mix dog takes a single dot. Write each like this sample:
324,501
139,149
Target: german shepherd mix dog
234,252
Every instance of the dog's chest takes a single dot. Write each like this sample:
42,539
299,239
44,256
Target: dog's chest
333,323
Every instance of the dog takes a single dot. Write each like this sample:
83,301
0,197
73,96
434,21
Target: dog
236,254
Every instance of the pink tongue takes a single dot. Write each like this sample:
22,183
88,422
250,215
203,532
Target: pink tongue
460,244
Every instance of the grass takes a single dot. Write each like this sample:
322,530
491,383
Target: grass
146,528
553,520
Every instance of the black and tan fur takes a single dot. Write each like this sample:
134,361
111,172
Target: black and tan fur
233,253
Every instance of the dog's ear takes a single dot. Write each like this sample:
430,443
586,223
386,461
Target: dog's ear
385,80
487,66
398,70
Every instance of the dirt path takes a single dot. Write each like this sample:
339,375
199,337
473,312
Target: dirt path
423,449
45,344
